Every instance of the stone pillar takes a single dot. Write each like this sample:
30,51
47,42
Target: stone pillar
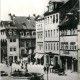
66,64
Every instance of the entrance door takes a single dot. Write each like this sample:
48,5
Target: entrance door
11,59
75,65
15,58
69,63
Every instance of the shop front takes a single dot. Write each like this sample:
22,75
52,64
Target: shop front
69,60
39,58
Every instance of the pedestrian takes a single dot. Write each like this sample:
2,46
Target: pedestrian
64,69
44,69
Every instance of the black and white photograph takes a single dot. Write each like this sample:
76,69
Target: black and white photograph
39,39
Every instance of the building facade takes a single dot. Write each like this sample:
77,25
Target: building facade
69,35
40,40
52,32
18,38
9,41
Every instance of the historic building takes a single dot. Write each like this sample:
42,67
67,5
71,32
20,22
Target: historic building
40,40
18,38
9,41
51,41
61,34
69,35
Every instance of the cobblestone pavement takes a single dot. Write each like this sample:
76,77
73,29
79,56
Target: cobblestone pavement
39,69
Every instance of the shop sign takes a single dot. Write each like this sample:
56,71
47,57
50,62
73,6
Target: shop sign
66,52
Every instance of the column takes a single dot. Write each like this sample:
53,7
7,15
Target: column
66,64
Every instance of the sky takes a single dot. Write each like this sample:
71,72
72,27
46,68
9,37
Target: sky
22,7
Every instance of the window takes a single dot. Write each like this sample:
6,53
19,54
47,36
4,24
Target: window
41,35
62,32
22,52
54,32
57,46
14,32
11,49
34,33
22,34
62,45
46,46
57,30
54,46
72,31
21,44
65,32
51,33
12,40
72,46
10,32
56,18
14,49
40,46
53,18
51,46
48,19
46,33
66,45
27,34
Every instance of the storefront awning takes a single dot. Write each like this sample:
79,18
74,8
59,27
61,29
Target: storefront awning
40,56
36,56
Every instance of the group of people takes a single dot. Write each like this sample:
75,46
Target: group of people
56,68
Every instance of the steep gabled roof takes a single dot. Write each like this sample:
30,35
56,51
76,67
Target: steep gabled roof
67,7
24,22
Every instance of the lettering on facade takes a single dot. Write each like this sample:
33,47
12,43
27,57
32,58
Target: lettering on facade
66,52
